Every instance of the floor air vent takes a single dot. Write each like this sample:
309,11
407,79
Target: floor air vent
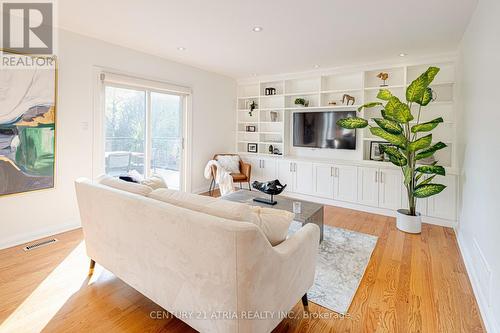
39,244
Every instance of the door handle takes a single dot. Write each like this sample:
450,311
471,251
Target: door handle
294,167
332,172
337,172
381,177
376,176
263,164
290,166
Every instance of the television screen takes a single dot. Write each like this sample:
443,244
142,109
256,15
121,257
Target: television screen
320,130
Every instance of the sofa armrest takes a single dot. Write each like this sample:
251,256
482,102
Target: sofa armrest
246,169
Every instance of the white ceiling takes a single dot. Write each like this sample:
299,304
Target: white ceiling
297,34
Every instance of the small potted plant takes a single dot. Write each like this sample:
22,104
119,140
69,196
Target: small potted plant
411,143
301,101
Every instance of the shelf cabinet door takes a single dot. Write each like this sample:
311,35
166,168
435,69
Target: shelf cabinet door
256,173
285,174
368,186
390,189
268,169
346,183
303,177
323,180
444,204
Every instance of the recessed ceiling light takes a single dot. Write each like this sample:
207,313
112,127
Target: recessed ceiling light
402,54
181,48
316,66
257,29
254,74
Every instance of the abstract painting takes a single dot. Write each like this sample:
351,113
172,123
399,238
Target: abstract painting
27,128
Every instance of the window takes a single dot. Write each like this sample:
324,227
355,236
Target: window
143,126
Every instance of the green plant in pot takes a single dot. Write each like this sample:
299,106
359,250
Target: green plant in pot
411,142
301,101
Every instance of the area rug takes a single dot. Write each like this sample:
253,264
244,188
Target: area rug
342,261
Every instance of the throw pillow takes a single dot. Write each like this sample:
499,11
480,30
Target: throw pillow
230,163
155,182
273,222
124,186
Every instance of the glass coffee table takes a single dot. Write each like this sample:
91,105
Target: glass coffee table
310,212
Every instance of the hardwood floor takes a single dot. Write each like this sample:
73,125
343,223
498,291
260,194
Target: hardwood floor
414,283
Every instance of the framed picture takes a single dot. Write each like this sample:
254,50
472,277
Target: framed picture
375,153
251,128
252,147
27,124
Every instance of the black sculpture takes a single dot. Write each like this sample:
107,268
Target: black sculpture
273,187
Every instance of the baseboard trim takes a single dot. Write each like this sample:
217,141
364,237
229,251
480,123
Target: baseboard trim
29,237
485,311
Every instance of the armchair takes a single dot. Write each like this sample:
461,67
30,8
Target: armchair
242,177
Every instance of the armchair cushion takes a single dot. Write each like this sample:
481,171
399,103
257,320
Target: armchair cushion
239,177
231,163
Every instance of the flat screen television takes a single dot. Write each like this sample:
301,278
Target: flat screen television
320,130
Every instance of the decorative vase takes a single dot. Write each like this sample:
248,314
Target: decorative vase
408,223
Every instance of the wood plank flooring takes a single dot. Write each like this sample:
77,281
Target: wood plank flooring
414,283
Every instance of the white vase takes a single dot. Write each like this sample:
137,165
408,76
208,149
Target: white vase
408,223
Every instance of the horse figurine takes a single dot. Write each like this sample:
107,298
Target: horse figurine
349,98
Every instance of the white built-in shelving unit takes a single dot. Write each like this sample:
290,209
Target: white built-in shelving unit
321,89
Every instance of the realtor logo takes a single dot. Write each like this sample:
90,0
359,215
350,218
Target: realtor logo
27,27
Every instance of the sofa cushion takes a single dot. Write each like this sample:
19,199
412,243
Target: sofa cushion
230,163
155,182
203,204
181,199
123,185
274,223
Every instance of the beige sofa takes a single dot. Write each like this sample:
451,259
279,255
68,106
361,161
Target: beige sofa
217,275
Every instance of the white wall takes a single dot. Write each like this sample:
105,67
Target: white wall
479,221
32,215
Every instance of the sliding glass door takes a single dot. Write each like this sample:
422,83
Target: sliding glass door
166,137
143,133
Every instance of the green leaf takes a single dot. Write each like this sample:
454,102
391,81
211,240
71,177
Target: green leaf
430,151
384,94
352,122
428,126
427,97
389,125
395,155
387,116
432,169
419,176
427,190
403,113
421,143
369,105
395,139
426,181
398,111
418,88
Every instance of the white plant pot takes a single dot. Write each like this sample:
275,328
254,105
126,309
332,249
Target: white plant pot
408,223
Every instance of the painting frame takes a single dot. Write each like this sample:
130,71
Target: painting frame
54,106
252,147
375,153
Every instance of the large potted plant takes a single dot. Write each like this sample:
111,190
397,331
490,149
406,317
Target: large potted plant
410,142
